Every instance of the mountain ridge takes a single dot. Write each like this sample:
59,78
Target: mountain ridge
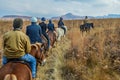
68,16
71,16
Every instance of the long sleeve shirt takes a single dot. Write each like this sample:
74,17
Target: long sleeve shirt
43,27
51,27
60,23
34,32
15,44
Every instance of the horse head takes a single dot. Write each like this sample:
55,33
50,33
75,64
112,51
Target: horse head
92,25
82,28
37,53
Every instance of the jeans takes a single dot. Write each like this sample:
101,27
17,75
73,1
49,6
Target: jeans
27,58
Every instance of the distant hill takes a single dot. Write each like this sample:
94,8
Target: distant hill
70,16
109,16
11,17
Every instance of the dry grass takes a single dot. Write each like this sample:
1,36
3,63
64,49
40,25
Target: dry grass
95,55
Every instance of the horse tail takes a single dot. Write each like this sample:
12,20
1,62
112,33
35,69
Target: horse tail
10,77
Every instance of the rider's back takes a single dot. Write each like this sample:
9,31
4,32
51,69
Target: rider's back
14,46
34,33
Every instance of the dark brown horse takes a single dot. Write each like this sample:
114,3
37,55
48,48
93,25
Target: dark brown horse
18,70
52,36
86,27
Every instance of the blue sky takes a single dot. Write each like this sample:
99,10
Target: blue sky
50,8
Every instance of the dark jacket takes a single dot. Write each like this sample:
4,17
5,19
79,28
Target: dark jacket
43,27
34,32
60,23
51,26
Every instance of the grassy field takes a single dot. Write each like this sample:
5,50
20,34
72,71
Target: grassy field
95,55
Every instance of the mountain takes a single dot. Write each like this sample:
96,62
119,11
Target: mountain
109,16
10,17
70,16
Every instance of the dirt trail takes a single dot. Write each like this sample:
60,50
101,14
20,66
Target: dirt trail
55,61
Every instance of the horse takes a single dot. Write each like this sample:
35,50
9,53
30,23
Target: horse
60,33
39,55
18,70
52,36
89,26
44,44
82,28
86,27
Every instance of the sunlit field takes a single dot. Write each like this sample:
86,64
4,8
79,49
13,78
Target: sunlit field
93,55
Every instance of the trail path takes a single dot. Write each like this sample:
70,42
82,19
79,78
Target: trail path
55,61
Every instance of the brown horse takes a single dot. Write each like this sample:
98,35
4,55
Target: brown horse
52,36
44,45
18,70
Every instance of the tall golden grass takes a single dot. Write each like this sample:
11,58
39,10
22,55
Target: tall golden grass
95,55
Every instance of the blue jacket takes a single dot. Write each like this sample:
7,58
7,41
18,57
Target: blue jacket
60,23
51,26
34,32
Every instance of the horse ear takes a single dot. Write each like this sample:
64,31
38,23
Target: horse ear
34,46
38,44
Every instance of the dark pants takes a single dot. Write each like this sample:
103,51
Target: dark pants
63,29
46,36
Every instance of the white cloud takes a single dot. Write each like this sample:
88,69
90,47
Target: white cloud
49,8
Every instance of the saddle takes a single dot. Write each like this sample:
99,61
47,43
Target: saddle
17,60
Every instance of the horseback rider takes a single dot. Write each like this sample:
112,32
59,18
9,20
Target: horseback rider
51,27
44,31
17,46
85,21
34,31
61,24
